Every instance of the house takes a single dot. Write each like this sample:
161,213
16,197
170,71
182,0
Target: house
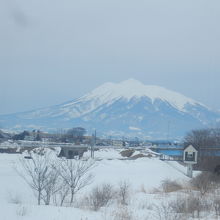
71,152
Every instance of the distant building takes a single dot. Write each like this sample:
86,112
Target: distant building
29,138
70,152
208,157
117,143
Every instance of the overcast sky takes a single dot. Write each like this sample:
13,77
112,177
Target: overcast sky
52,51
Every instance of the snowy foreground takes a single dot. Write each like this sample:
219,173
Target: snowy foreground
144,176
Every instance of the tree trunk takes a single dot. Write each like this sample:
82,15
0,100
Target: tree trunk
48,200
39,197
63,196
71,199
62,201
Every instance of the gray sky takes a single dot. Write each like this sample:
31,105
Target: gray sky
53,51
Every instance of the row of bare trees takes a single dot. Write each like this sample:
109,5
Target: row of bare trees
203,138
207,142
50,177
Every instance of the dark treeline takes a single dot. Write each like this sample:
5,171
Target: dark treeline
203,138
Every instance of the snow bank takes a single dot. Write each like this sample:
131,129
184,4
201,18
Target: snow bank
109,168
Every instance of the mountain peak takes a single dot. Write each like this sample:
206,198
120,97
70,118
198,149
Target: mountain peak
131,82
131,88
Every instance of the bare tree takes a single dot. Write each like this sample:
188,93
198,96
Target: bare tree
75,175
38,173
123,192
206,141
63,192
52,186
205,181
203,138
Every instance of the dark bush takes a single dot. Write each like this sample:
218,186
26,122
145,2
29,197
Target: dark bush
127,153
170,186
100,196
205,182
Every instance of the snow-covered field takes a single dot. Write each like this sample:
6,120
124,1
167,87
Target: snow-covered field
17,200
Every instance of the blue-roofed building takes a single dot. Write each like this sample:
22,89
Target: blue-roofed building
171,150
208,158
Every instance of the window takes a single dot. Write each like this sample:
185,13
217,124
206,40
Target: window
189,156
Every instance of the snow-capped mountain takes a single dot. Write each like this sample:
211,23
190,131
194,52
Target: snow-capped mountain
126,108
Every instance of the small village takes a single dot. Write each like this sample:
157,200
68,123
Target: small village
74,143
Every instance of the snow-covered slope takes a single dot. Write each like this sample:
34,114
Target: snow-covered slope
131,88
126,108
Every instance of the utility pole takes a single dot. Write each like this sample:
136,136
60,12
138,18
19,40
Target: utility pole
168,130
95,138
93,144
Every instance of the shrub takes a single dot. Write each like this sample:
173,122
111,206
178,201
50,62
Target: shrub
205,182
123,213
216,206
100,196
179,205
195,205
123,192
22,211
14,198
164,211
170,186
127,153
144,204
192,205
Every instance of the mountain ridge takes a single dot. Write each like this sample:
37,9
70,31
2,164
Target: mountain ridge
126,108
